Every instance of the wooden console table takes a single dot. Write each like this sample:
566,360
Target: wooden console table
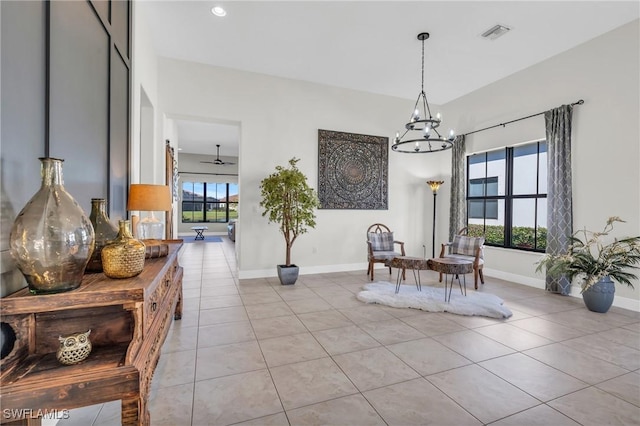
129,320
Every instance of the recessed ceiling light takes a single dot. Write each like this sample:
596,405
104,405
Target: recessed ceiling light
218,11
495,32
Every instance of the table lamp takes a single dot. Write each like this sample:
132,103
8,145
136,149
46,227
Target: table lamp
150,198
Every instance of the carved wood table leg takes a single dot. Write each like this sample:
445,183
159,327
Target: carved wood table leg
131,411
178,312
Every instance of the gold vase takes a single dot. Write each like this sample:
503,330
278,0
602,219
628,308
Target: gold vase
124,256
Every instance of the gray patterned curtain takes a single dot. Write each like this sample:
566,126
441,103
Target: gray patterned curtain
458,208
559,198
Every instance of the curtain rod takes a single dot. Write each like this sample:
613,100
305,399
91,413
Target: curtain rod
580,102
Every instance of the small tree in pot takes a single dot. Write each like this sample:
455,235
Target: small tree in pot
289,201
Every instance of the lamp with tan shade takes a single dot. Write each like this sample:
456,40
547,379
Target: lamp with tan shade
149,198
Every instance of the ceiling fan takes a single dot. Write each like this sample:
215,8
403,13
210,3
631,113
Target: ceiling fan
218,161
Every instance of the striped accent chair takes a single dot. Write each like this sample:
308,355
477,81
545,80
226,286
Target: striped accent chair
467,248
381,247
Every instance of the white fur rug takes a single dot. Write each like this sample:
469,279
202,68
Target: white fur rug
431,299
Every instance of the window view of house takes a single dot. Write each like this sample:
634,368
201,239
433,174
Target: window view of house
507,196
209,202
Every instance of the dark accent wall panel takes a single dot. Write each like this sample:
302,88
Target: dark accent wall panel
65,82
119,156
79,103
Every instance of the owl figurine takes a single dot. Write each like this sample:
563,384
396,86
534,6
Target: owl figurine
74,348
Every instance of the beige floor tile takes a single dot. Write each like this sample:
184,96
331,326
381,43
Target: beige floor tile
344,302
221,334
212,302
374,368
625,387
175,368
289,293
473,346
324,320
427,356
256,298
279,419
348,410
219,290
584,320
236,398
472,321
110,414
314,304
623,336
391,331
482,394
180,339
576,363
172,406
604,349
310,382
345,339
365,314
513,337
548,329
223,315
594,407
266,328
432,324
80,416
542,415
417,402
290,349
268,310
225,360
537,379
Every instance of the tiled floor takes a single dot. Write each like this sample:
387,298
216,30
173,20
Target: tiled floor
255,352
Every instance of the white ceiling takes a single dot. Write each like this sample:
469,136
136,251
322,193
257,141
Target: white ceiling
371,45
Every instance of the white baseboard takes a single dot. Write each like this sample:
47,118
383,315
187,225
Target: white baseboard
619,301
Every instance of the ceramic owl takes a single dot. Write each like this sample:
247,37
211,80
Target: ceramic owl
74,348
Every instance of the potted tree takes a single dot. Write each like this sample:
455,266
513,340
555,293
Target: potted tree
290,202
597,263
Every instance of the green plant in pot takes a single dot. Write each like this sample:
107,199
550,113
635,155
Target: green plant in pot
597,263
290,202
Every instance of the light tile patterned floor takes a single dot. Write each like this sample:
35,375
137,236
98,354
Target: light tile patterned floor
257,353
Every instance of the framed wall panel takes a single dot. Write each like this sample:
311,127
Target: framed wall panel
352,171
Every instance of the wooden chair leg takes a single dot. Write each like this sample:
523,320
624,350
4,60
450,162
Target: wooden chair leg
440,279
404,276
475,278
481,275
371,270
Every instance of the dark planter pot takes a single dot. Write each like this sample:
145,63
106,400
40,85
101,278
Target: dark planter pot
288,274
599,297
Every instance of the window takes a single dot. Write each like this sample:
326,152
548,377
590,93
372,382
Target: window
209,202
507,196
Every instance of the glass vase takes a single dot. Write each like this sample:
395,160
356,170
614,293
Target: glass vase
52,238
124,256
105,231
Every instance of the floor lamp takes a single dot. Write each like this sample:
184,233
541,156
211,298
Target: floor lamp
435,185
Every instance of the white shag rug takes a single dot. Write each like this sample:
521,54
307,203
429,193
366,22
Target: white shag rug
431,299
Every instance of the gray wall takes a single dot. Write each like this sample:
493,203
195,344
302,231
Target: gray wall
65,85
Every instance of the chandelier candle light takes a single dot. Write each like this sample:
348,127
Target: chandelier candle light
435,185
429,139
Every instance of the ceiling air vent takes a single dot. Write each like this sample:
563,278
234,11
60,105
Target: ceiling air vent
495,32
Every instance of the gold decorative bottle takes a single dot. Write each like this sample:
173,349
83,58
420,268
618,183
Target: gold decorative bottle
105,231
124,256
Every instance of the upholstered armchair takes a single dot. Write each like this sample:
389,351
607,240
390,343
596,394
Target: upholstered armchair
467,248
381,247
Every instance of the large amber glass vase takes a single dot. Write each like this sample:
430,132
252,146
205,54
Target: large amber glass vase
105,231
52,238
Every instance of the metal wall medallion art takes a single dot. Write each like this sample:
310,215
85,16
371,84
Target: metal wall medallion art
352,171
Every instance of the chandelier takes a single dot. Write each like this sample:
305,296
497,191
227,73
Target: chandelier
421,134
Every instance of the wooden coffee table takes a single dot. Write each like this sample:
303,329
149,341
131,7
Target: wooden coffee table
408,262
454,267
